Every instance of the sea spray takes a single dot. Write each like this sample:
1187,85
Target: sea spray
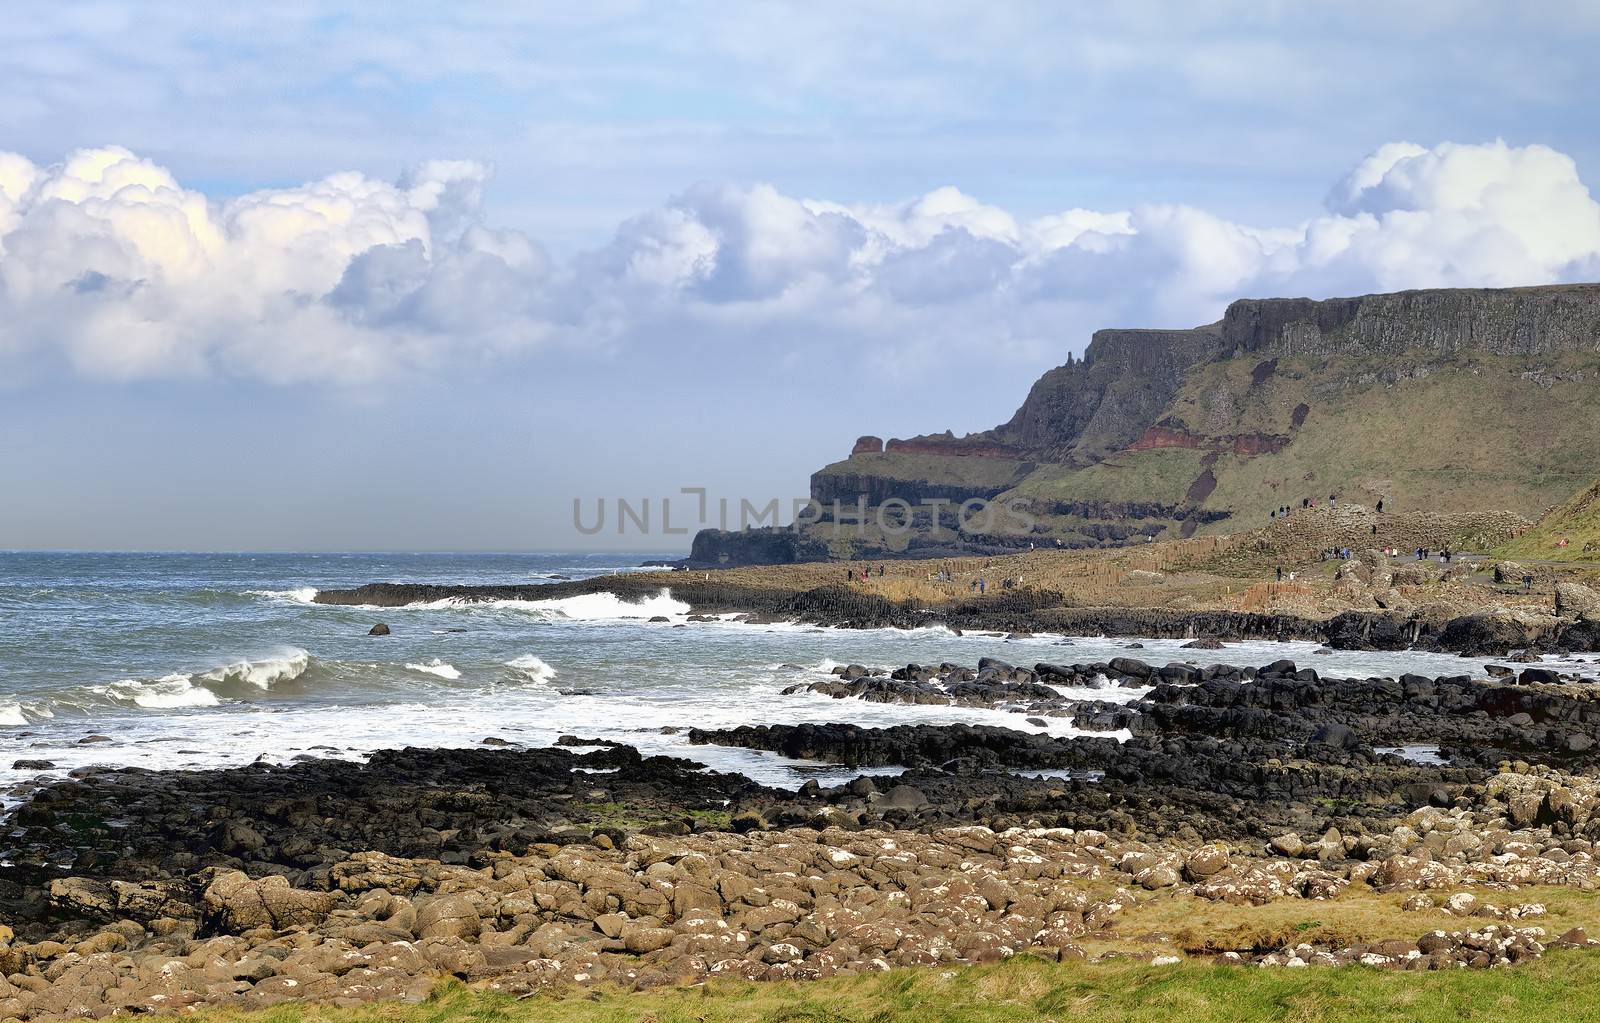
532,668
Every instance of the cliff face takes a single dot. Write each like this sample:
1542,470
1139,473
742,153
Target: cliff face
1106,401
1526,322
1454,399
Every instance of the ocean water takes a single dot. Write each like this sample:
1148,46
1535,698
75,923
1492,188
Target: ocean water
194,660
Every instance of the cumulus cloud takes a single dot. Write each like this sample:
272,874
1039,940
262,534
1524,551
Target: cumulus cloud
110,266
108,263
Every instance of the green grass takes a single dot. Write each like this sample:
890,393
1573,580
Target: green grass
1025,990
1156,475
1461,439
963,471
1577,521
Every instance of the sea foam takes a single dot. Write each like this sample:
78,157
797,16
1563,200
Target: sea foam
534,669
437,667
263,673
303,595
167,693
585,607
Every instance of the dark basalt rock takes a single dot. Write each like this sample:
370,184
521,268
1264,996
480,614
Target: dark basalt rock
1020,610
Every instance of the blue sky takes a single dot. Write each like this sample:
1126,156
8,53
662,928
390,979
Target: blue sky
413,276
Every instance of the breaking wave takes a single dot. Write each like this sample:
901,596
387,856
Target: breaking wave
437,667
11,715
263,673
211,688
532,668
303,595
169,692
585,607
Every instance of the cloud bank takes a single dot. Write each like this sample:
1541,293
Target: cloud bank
109,267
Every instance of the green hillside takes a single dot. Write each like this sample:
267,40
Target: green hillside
1441,401
1577,521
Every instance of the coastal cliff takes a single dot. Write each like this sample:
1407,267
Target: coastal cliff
1443,399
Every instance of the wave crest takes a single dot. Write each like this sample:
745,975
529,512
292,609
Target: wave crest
303,595
437,667
263,673
166,693
534,669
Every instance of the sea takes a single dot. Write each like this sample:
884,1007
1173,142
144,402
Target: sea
163,661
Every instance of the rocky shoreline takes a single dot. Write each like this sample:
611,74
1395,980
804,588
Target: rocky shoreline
529,869
1475,633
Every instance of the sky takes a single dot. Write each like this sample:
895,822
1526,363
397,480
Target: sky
411,276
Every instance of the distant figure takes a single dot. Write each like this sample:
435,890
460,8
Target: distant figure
981,585
880,571
1563,542
1380,506
1527,584
1374,529
1333,501
1280,573
849,575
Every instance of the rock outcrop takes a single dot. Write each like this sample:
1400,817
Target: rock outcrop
1281,400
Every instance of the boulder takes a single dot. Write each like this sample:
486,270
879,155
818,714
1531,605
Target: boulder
234,903
1575,600
1206,861
448,916
378,630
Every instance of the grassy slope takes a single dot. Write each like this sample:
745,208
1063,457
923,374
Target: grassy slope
1456,440
1161,475
1462,438
1019,990
915,466
1577,520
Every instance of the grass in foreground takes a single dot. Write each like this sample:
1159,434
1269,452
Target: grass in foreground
1026,989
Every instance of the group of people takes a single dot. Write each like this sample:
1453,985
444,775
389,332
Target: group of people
1308,503
863,574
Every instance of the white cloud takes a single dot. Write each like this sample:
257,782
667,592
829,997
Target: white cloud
108,262
110,266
